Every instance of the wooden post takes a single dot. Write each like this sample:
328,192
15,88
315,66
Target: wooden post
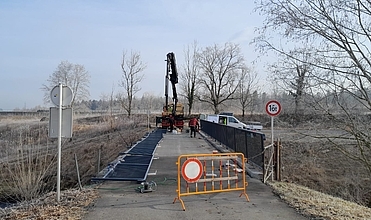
78,172
279,163
99,156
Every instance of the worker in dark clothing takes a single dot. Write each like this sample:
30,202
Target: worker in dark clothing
194,125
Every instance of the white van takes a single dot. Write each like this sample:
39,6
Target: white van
254,125
226,120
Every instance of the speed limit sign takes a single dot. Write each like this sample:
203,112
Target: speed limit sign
273,108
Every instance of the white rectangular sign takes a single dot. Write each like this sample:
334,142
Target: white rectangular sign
67,122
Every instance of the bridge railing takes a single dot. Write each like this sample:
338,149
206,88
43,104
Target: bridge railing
250,143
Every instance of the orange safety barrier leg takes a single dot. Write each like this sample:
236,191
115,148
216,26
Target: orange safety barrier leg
181,202
244,193
246,196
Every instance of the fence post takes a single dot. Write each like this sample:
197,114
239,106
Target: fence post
99,156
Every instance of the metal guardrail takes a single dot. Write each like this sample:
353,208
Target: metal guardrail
250,143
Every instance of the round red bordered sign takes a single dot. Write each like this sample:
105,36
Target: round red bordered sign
192,170
273,108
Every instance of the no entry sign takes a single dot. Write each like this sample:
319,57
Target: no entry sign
273,108
192,170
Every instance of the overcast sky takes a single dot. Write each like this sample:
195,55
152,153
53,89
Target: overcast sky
37,35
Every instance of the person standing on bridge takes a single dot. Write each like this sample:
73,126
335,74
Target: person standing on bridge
194,125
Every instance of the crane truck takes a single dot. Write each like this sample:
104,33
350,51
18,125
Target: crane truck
172,113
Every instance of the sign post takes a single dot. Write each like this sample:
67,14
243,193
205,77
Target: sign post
59,143
61,96
273,108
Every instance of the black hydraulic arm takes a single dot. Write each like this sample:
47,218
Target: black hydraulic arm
172,75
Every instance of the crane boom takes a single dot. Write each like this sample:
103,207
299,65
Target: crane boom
174,115
172,75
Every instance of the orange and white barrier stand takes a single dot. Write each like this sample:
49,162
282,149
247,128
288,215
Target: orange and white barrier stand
210,173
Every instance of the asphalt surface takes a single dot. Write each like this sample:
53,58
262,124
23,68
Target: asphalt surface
120,200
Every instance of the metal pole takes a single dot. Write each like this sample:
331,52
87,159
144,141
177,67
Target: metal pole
59,143
272,148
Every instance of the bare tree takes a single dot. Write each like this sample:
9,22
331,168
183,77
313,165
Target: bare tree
73,75
292,73
220,69
255,102
188,79
132,67
109,105
339,33
245,90
148,101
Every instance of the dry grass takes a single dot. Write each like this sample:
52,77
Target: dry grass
319,205
25,164
73,205
24,178
319,167
89,136
27,154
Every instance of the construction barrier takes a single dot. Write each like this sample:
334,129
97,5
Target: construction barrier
210,173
